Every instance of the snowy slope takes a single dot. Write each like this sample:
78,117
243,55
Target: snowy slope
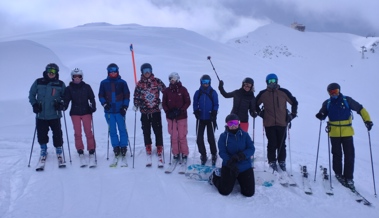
316,60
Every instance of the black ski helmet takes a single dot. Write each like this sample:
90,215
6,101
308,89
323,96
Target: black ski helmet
112,65
206,77
146,65
52,66
333,86
248,80
231,117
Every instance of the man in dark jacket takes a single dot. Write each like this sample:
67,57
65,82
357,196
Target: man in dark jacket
275,119
243,101
46,97
80,94
205,107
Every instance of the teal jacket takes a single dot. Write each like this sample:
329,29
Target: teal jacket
47,92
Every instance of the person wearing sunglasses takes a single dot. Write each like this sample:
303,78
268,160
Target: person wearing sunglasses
147,100
338,109
235,149
46,96
276,119
83,104
175,103
205,107
243,101
114,96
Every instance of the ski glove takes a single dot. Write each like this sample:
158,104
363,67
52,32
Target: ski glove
261,113
320,116
214,116
233,169
369,125
197,114
123,110
221,84
59,106
93,109
254,114
172,114
107,106
290,117
37,108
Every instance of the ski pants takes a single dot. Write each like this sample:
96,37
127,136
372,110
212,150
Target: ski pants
200,128
276,147
226,182
117,121
43,130
178,130
86,121
343,146
152,120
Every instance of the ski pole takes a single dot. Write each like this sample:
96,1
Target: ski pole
263,145
253,140
329,151
372,166
177,131
214,69
126,129
318,148
134,143
68,143
34,137
172,124
289,149
93,134
108,136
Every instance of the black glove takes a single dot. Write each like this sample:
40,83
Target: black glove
320,116
107,106
290,117
59,106
369,125
93,109
261,113
233,169
197,114
254,114
123,110
220,84
37,108
214,116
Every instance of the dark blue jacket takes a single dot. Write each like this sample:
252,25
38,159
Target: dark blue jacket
230,144
114,91
206,101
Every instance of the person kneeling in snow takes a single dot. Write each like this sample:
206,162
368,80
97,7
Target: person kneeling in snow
235,148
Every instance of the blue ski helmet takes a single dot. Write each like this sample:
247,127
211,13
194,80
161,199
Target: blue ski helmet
271,76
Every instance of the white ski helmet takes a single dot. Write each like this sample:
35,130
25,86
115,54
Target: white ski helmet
76,71
174,76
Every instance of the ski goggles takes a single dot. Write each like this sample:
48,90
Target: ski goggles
51,70
271,81
112,69
146,70
247,85
77,76
205,81
174,78
334,92
233,123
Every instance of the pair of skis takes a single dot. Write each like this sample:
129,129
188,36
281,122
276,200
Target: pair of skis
42,161
91,162
149,161
175,162
119,161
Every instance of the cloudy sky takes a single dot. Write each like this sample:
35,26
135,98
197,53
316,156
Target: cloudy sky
217,19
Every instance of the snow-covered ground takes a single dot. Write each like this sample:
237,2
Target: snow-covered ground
304,62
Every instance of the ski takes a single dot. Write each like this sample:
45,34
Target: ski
149,161
306,185
41,164
183,167
83,162
171,168
61,163
115,162
124,162
282,178
325,181
92,161
358,197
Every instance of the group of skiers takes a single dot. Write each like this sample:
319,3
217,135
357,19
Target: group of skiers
49,97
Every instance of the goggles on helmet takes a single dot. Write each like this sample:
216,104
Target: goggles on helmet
205,81
146,70
51,70
334,92
271,81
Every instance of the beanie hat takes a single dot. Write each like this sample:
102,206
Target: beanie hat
231,117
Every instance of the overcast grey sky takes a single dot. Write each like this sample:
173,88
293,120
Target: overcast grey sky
216,19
